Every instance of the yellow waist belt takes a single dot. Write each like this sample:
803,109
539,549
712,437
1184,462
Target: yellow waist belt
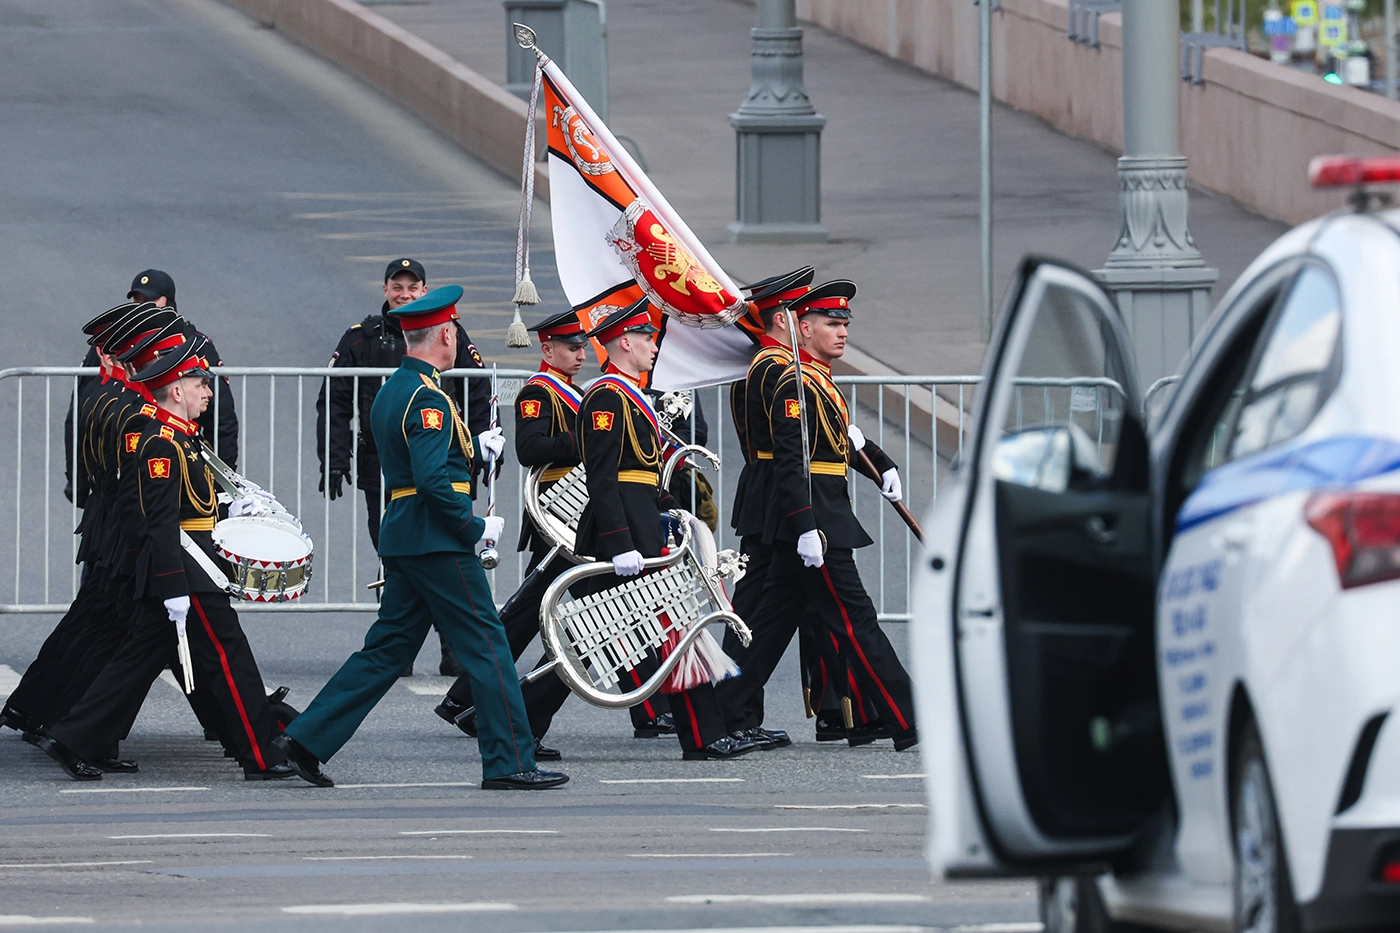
828,469
464,488
198,524
554,474
638,476
763,454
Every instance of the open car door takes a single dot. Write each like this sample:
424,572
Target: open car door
1053,588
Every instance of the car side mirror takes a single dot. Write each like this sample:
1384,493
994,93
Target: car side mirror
1046,458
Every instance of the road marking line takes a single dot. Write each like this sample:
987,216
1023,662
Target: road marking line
1031,927
429,689
787,829
850,806
194,836
674,781
376,910
863,928
479,832
24,920
169,678
798,899
143,861
377,858
420,784
9,680
711,855
892,777
124,790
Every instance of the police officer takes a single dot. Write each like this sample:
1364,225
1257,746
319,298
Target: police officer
431,572
168,496
811,529
378,342
622,452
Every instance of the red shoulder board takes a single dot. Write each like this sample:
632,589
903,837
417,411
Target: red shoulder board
148,410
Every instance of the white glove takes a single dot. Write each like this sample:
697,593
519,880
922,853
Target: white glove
890,488
809,548
492,442
246,505
857,437
177,607
495,527
628,564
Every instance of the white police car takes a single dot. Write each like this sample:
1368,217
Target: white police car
1158,670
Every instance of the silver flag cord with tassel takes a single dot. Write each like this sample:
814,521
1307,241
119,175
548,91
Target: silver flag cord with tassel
525,292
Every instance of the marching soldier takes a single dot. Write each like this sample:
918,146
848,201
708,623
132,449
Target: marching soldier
168,496
431,572
378,342
812,531
621,448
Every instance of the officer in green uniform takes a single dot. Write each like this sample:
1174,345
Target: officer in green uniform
427,540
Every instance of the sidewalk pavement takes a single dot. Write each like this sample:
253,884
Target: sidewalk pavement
899,168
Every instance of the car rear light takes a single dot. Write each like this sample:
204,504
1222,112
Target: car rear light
1363,529
1388,865
1349,171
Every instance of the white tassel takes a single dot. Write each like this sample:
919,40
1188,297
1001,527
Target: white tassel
516,334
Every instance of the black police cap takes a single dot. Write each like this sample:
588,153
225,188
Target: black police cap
832,299
412,266
152,284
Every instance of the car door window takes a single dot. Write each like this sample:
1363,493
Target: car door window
1066,414
1297,367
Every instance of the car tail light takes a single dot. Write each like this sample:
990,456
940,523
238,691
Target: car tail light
1388,867
1348,171
1363,529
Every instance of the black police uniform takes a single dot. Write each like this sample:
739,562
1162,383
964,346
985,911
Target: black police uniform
833,593
377,342
623,456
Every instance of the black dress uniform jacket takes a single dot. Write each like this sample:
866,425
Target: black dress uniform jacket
750,403
378,342
545,423
794,510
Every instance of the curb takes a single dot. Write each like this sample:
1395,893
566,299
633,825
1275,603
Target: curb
488,122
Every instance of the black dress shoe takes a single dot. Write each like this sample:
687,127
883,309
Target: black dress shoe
721,749
765,739
9,716
115,765
870,732
463,717
906,739
278,772
72,765
831,727
544,753
306,765
526,780
31,737
665,724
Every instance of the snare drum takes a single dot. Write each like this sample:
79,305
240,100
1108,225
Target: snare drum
271,558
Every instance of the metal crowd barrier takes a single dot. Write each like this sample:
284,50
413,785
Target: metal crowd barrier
919,420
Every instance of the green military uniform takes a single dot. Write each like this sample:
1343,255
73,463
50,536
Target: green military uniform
427,540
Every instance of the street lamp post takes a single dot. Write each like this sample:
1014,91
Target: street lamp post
1154,271
778,139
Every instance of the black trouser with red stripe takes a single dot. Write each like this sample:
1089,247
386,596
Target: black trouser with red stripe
225,666
834,597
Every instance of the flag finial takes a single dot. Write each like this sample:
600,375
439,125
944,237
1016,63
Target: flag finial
524,36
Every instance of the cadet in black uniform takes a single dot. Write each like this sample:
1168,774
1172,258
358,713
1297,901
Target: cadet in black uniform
622,451
57,669
378,342
167,490
812,530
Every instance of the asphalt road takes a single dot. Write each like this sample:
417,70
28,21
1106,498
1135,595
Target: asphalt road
174,133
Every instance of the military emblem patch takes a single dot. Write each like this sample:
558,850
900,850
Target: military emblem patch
167,433
132,440
602,421
148,410
793,409
476,357
530,408
158,467
432,419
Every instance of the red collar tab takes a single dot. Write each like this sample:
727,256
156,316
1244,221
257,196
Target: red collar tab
557,374
765,342
188,428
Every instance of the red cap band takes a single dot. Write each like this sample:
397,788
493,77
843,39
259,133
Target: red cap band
179,372
428,318
617,330
822,304
764,304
